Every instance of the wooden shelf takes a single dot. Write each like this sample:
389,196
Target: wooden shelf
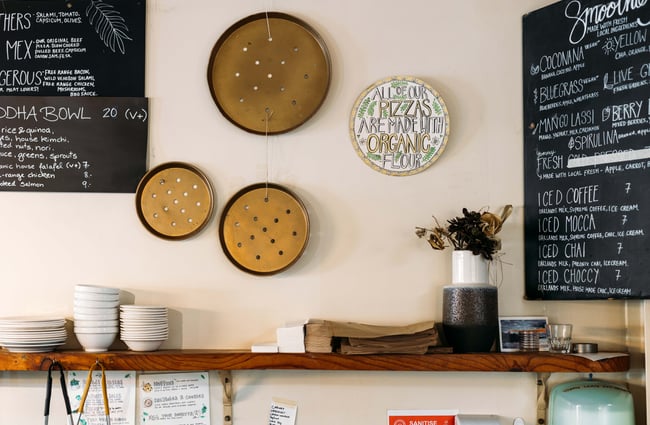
193,360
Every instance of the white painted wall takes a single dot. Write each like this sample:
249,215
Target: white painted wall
363,261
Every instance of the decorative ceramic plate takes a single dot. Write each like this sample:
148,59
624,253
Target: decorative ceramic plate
399,126
269,73
174,200
264,229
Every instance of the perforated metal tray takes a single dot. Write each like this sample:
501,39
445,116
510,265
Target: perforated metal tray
264,229
174,200
269,73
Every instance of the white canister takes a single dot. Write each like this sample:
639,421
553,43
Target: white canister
467,268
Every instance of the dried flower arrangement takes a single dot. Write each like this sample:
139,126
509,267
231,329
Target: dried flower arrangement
473,231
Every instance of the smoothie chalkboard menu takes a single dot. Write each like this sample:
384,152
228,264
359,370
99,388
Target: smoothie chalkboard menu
586,67
72,48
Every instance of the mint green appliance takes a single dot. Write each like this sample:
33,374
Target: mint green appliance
590,403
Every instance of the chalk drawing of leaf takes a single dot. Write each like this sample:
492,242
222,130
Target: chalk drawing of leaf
371,108
363,107
436,107
108,23
429,154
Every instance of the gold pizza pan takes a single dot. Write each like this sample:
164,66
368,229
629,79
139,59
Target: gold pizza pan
269,73
174,200
264,229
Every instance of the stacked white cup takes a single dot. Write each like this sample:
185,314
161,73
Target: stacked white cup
96,316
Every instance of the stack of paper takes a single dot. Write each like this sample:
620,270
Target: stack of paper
318,336
416,343
264,347
291,338
358,338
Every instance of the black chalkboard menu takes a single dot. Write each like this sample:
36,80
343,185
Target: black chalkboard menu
72,48
586,74
72,144
72,113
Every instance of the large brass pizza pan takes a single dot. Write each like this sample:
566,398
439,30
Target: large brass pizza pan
269,73
174,200
264,229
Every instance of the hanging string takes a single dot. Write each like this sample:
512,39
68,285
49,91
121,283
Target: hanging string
268,24
269,113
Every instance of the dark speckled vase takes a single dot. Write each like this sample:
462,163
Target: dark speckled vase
470,311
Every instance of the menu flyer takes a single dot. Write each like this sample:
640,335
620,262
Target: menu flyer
174,398
120,388
282,412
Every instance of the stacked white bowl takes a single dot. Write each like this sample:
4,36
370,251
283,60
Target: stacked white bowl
142,327
96,316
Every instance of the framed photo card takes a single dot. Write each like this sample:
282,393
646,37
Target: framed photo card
511,327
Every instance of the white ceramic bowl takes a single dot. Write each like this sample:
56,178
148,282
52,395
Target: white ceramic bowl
143,325
92,296
95,342
139,325
144,336
105,314
96,330
145,328
139,307
96,304
94,310
96,289
95,323
139,345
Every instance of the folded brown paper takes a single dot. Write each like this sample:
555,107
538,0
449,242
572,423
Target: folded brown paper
324,336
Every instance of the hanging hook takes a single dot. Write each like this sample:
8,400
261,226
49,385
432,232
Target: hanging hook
45,359
82,403
64,391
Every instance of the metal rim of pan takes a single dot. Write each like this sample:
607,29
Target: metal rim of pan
264,229
178,208
269,73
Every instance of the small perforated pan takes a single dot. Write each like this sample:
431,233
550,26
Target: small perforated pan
264,229
174,200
